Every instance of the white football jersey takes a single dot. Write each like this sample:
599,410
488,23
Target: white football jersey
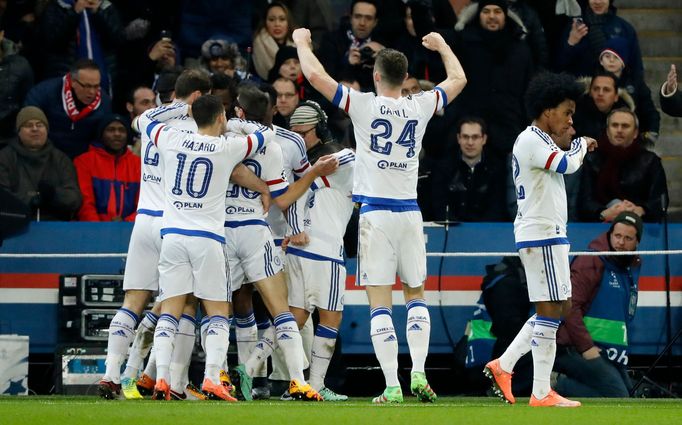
242,204
295,161
538,166
197,170
388,133
152,195
329,209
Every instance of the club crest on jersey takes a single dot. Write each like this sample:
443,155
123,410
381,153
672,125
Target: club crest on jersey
188,205
151,178
383,164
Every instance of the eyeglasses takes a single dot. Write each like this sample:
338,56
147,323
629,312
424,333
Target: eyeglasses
304,132
87,86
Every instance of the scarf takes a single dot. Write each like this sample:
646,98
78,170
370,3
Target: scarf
596,36
88,44
69,102
615,160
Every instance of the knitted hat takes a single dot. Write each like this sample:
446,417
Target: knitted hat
105,121
306,115
284,53
630,218
501,3
28,113
619,47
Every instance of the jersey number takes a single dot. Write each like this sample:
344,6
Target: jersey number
152,160
191,175
248,194
405,139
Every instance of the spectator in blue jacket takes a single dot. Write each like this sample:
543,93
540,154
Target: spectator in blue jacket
74,105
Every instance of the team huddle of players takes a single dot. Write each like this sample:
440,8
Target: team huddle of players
206,235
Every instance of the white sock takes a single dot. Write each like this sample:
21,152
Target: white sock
261,351
290,342
185,338
307,335
418,332
121,334
543,346
150,368
385,344
203,330
164,336
263,327
322,351
144,337
246,335
217,342
519,346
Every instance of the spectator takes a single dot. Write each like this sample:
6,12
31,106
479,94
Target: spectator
273,32
287,65
109,175
593,107
287,100
77,29
310,122
614,58
139,100
74,105
592,343
220,57
165,87
622,175
671,98
349,52
535,32
470,186
41,176
585,38
16,78
498,65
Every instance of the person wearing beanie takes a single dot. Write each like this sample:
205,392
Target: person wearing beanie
615,58
310,122
592,351
40,175
286,65
499,64
220,57
109,174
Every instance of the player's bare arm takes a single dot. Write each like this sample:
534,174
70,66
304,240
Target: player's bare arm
456,79
312,68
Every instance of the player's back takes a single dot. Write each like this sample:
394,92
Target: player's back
541,193
388,133
152,195
243,204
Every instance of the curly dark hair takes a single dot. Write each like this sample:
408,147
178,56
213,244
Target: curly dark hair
547,90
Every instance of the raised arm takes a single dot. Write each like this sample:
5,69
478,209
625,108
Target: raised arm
323,167
455,79
152,117
312,68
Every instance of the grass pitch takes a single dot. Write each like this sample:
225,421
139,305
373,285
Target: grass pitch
53,410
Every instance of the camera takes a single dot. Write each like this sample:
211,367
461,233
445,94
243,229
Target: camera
165,35
367,56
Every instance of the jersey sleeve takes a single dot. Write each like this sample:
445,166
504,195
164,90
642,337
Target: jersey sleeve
432,101
150,122
274,174
543,153
342,178
351,101
244,147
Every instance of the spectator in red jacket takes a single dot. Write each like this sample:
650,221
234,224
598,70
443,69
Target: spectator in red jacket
109,175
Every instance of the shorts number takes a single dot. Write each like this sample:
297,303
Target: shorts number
194,168
406,138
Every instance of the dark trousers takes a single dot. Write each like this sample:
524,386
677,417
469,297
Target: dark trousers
598,377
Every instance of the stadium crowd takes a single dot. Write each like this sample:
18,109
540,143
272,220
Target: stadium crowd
86,64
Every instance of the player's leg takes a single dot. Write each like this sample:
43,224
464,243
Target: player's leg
185,339
418,331
164,336
142,344
217,343
273,290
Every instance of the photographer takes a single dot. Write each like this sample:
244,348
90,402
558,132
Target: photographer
350,51
592,344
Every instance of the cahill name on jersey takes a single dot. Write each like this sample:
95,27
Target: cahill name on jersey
538,166
389,136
